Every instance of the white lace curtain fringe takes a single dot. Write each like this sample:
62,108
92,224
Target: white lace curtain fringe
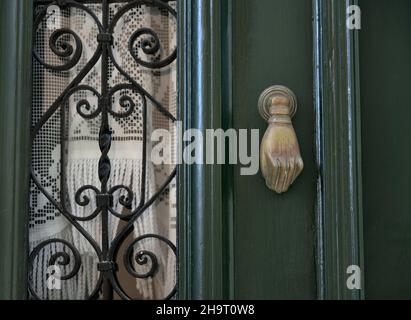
124,172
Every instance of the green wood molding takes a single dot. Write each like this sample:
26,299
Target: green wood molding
228,170
15,102
203,256
338,139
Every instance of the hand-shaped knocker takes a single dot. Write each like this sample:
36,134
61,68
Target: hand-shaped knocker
280,158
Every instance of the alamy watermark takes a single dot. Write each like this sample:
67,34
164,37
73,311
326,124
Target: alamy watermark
53,277
53,17
354,277
211,146
353,21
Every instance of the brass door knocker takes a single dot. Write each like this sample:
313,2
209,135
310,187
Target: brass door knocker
280,158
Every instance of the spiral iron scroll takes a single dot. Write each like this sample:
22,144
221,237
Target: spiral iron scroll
70,54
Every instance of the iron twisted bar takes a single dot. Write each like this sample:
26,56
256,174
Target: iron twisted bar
107,253
104,167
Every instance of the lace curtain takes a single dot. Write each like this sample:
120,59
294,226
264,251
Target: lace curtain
65,151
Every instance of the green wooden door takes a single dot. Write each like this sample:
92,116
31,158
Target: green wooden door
238,239
385,52
274,235
365,202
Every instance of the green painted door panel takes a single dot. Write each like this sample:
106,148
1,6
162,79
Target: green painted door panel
385,62
274,236
15,101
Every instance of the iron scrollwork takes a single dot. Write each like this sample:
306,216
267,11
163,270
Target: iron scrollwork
71,52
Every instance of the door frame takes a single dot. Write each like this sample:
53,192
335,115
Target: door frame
205,191
338,149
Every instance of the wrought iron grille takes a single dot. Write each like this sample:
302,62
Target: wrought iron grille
125,101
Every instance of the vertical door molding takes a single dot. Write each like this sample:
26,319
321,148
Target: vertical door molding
338,140
15,103
204,256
